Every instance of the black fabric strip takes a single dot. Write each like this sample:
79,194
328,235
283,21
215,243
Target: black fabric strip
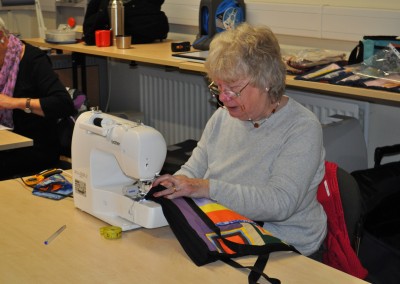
256,271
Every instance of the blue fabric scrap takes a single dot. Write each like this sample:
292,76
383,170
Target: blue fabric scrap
54,187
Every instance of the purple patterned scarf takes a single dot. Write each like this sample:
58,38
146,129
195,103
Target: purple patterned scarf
8,76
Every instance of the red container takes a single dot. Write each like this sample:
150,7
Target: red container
103,38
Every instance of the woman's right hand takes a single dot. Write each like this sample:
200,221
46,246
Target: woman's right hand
180,185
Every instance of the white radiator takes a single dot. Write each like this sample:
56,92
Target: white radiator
178,104
324,106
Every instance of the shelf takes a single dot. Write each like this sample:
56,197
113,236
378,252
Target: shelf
71,4
67,9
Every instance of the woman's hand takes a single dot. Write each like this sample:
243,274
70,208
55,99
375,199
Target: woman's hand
177,186
7,102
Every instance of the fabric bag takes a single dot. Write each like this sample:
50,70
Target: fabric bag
208,232
96,18
370,45
216,17
380,190
145,21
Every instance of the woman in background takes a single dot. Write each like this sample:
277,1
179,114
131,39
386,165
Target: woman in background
32,100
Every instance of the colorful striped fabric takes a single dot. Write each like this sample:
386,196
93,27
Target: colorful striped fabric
233,227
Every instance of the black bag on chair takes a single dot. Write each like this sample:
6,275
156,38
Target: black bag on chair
380,245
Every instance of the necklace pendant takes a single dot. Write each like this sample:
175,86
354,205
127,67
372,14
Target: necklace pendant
256,125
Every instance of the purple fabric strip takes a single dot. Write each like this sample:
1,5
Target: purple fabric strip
195,221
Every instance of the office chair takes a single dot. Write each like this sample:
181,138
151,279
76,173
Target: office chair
350,196
340,197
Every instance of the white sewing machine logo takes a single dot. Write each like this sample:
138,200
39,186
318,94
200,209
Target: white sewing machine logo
114,161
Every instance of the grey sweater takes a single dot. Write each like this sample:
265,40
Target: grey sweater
268,174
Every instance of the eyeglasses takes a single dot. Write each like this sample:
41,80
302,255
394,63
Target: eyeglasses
215,92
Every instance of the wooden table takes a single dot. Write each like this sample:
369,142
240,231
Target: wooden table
156,53
159,53
81,255
10,140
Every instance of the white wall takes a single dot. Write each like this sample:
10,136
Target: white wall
187,6
311,22
307,20
23,19
383,4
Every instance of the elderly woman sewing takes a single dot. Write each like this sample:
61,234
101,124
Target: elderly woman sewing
261,154
32,99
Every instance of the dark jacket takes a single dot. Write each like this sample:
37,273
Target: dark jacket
36,79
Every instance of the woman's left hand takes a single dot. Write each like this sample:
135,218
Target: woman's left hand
179,185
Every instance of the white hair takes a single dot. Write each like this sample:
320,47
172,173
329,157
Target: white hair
3,29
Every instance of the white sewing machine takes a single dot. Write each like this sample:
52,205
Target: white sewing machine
114,162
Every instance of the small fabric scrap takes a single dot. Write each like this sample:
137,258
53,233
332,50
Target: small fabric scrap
54,187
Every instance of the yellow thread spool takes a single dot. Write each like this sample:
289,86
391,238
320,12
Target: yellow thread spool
111,232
